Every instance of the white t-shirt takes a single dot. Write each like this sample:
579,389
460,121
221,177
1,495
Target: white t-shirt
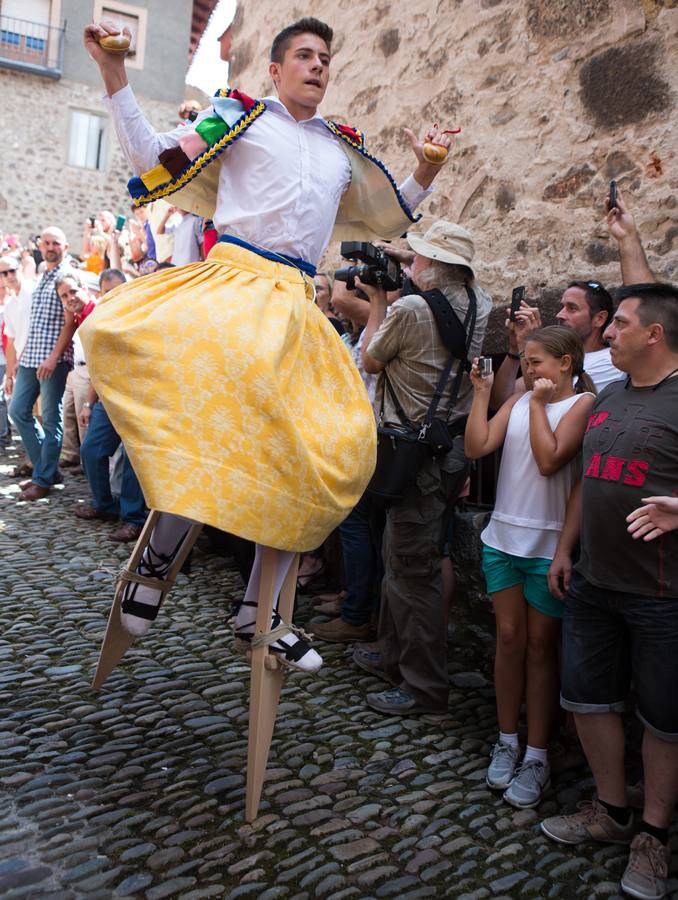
598,366
187,236
18,316
529,511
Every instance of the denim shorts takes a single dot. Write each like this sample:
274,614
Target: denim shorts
504,570
612,639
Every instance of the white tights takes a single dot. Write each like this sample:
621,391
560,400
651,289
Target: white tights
166,541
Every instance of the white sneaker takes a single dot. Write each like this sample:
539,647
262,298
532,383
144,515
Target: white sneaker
529,784
503,763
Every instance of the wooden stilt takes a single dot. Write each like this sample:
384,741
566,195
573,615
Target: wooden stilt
267,677
117,640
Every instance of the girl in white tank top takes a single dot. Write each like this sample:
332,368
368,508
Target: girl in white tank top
542,433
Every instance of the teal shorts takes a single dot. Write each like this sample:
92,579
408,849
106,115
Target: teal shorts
503,570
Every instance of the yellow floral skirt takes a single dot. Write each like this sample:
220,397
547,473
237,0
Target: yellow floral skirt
237,402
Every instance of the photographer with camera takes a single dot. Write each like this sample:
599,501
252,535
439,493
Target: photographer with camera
422,351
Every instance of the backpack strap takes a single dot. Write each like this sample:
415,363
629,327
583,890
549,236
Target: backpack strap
448,325
450,330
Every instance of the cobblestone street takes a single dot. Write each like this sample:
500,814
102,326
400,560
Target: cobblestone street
138,790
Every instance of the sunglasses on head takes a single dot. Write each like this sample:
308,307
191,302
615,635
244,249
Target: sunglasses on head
591,285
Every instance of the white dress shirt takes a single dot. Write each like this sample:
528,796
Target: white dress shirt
280,183
18,316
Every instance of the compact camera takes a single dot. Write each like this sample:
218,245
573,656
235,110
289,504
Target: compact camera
377,268
485,366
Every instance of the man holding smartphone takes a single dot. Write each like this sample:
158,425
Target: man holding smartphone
585,306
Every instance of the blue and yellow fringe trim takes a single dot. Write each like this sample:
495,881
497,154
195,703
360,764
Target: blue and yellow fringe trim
359,147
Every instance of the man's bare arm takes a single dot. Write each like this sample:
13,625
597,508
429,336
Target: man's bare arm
560,570
634,266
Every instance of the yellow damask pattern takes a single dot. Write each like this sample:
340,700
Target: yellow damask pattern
236,401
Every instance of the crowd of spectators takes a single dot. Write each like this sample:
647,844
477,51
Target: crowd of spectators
46,399
389,565
583,410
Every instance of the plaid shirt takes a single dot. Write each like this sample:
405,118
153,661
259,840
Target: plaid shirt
47,320
409,343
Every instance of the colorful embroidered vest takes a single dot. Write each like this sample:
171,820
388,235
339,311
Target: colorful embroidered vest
371,208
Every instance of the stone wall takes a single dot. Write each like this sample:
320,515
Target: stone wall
554,99
38,187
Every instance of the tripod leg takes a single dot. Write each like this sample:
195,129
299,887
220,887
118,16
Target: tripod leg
117,640
266,681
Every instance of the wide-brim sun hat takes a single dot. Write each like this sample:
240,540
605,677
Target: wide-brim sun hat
445,242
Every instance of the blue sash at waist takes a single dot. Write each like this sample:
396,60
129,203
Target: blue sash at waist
301,264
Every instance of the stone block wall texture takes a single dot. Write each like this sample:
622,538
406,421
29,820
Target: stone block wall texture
554,98
38,187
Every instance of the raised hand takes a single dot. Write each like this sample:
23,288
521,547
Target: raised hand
619,220
435,135
527,321
93,34
111,65
481,383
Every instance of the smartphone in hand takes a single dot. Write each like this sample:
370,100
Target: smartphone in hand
517,298
613,195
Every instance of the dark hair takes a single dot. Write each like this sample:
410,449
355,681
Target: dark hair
107,274
597,298
68,274
559,341
307,25
658,303
165,265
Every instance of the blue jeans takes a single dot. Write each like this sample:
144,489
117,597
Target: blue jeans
101,442
363,570
41,442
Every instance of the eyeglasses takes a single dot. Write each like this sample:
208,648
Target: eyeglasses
4,273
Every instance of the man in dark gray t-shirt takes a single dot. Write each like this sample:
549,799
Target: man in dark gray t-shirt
621,606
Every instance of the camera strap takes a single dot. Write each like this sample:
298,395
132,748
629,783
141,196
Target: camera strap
449,326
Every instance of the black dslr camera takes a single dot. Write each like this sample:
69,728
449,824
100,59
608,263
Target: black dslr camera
377,268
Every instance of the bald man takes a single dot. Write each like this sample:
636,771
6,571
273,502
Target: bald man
44,365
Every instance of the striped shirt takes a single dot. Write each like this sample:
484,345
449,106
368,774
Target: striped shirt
409,343
47,320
